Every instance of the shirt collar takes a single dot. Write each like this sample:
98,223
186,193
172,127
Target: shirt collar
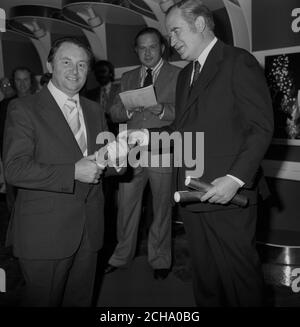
204,54
155,68
107,88
59,96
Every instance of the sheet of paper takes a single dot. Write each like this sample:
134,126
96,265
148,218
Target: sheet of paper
143,97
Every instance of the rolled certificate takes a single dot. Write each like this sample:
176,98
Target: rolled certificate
202,186
188,196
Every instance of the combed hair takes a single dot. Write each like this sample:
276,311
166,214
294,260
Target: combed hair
69,39
191,9
150,30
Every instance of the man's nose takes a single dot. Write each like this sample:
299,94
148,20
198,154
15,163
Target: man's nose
147,51
172,40
75,69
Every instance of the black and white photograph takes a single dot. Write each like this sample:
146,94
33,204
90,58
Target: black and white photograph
149,158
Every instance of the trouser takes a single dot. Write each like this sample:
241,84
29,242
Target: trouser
61,282
129,213
226,267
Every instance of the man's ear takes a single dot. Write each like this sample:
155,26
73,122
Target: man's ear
200,24
49,67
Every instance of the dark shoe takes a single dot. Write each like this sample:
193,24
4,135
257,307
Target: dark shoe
109,269
161,273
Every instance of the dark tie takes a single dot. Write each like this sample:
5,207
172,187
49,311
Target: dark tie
103,98
148,79
197,67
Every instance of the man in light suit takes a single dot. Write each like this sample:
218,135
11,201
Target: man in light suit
222,93
149,46
57,223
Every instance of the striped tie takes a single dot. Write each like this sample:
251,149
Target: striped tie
148,79
74,123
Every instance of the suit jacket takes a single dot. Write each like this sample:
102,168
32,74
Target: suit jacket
95,93
165,87
231,104
40,151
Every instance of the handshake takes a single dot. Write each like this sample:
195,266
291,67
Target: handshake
114,154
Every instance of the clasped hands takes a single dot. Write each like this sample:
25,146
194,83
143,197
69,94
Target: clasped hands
114,154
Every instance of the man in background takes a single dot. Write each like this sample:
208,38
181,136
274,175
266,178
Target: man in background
107,90
24,81
154,70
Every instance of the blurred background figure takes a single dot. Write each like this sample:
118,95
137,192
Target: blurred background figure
105,93
45,78
23,84
24,81
6,89
6,94
42,80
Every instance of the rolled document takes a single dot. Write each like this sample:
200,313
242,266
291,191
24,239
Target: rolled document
188,196
202,186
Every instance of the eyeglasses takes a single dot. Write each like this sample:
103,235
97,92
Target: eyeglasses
7,84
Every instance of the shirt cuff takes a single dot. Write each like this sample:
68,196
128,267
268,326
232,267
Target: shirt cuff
129,114
162,114
240,182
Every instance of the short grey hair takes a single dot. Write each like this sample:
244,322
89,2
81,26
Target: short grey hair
191,9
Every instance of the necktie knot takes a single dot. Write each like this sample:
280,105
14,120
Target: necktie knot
71,104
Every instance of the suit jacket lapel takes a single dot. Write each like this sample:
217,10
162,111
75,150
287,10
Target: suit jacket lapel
161,80
207,74
51,111
135,79
184,88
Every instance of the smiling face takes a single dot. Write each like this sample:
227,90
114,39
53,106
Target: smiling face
186,39
22,80
149,49
69,68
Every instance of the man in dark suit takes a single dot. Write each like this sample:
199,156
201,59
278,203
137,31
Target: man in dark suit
107,90
149,46
49,145
222,93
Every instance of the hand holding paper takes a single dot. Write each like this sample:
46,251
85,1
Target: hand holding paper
156,110
138,98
